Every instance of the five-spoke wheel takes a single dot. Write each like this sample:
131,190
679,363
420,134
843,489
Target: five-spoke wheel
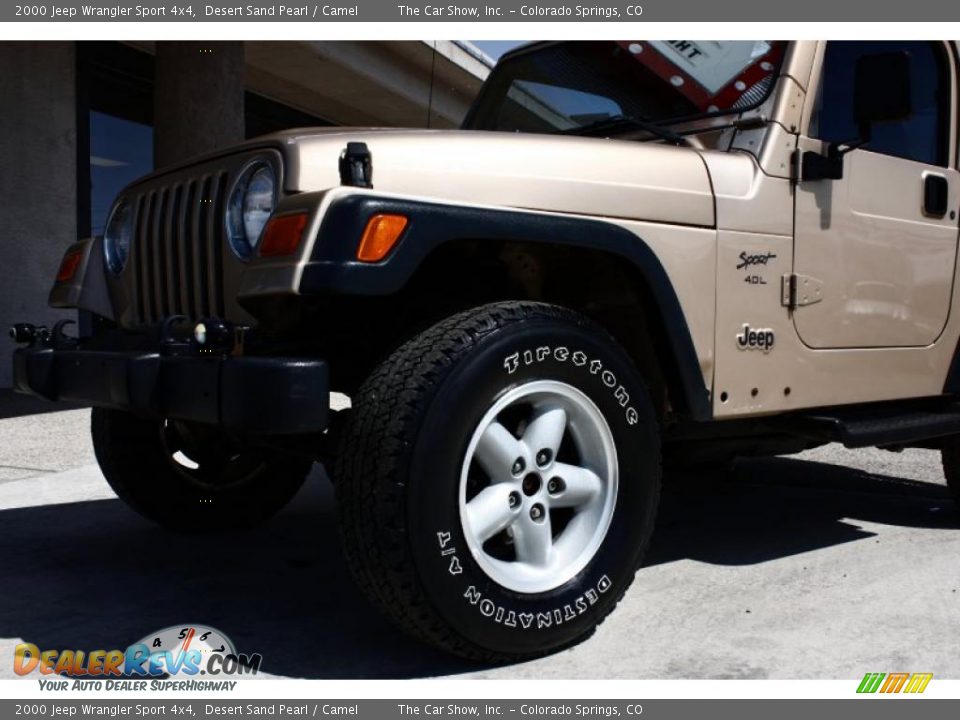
538,486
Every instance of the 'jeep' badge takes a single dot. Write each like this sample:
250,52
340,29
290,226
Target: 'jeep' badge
755,339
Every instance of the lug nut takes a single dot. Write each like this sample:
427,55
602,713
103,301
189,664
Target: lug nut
518,466
536,513
514,500
555,486
544,457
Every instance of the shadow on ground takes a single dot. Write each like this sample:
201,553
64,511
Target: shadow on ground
775,507
16,405
93,575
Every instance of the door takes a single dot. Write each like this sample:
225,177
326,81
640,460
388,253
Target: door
876,249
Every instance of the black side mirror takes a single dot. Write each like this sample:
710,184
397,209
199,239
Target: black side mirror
881,93
881,89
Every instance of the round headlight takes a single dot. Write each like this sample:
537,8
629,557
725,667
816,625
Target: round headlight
252,202
116,238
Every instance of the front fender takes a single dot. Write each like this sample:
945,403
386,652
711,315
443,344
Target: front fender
332,268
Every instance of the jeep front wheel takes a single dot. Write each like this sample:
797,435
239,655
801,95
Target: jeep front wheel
498,481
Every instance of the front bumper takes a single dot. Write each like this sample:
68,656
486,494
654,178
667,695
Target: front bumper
251,394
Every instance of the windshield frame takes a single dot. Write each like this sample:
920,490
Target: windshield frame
491,82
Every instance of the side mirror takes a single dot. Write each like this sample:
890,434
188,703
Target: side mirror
881,90
881,93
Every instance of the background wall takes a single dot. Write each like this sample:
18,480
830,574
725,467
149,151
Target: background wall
38,188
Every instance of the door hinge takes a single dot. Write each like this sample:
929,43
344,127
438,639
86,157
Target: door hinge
799,290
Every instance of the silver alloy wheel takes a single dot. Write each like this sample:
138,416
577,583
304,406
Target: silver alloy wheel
536,508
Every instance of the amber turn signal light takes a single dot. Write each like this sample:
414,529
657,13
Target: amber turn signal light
282,235
69,265
380,236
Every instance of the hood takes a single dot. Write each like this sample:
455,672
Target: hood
584,176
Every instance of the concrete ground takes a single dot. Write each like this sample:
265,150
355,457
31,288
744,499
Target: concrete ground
827,565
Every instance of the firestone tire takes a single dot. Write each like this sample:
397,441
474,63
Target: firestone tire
439,521
191,479
950,455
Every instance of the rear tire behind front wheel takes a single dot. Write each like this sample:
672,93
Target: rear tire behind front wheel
190,477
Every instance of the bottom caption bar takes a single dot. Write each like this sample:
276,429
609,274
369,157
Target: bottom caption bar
403,709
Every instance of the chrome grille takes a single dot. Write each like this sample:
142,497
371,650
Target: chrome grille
178,248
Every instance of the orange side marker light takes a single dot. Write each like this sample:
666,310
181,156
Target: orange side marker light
380,237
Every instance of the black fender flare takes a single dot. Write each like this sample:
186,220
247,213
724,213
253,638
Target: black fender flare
334,269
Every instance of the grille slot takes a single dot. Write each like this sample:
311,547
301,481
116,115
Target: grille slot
178,246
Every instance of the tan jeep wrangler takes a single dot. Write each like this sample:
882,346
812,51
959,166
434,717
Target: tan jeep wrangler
632,253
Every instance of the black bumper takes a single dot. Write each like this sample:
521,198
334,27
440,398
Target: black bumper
261,395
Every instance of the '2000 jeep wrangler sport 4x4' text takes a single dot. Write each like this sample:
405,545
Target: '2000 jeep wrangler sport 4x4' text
631,251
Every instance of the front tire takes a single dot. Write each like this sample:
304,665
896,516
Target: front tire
190,477
498,481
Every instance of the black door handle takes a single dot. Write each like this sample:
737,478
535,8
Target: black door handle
935,195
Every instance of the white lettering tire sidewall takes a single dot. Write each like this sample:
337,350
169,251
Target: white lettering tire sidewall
482,611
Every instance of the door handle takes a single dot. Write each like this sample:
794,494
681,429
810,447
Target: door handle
935,195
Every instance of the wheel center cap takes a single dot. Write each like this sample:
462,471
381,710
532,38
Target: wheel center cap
531,484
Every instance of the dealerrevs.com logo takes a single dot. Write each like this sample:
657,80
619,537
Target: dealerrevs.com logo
890,683
179,651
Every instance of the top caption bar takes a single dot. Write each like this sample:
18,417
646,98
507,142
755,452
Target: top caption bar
487,11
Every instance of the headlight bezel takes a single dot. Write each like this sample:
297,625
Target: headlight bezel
236,226
116,254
